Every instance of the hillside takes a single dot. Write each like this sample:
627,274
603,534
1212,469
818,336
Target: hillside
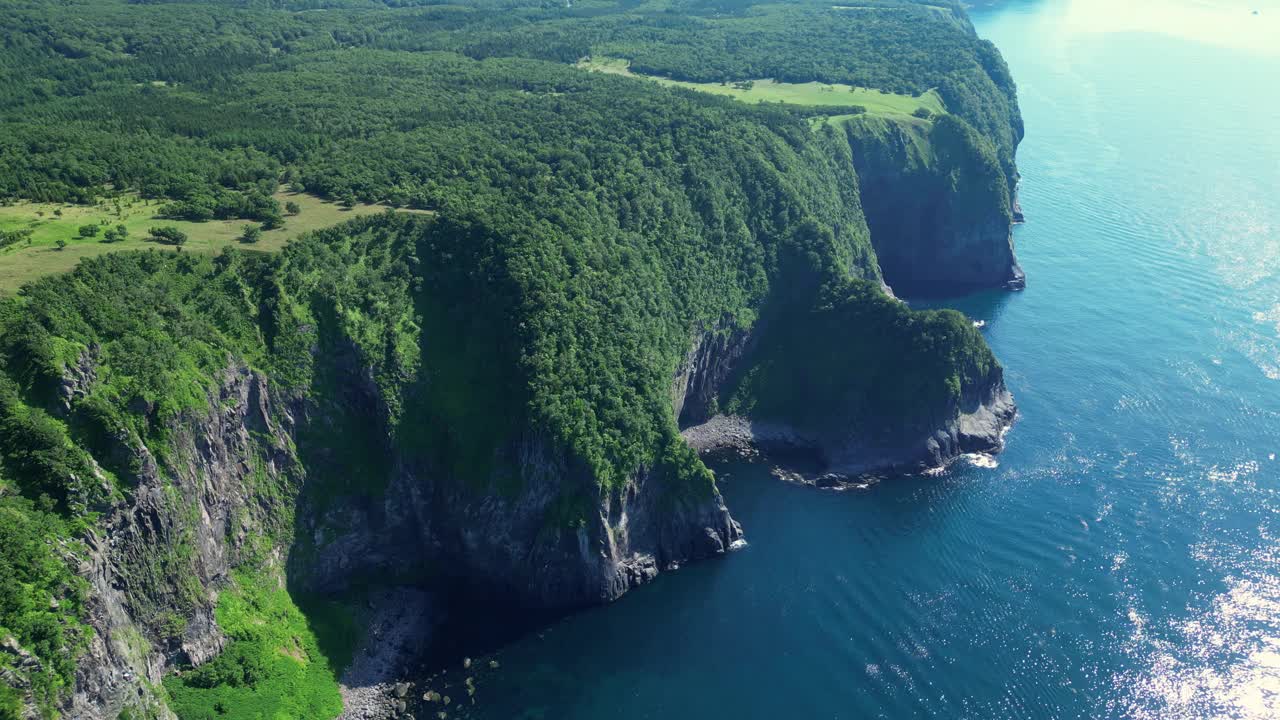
487,394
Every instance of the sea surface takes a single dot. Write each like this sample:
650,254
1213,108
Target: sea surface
1122,558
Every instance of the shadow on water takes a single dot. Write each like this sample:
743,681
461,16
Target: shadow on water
478,622
987,305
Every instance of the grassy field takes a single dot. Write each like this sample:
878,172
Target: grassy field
899,119
24,262
812,93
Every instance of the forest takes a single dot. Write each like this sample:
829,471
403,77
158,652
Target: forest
580,227
187,101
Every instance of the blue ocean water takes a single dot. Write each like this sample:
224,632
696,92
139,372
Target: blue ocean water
1123,558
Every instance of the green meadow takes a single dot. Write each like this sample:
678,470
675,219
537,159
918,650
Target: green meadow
810,93
51,222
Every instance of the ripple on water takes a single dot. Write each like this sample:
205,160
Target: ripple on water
1222,662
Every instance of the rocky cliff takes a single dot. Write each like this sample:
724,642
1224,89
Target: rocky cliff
974,423
230,488
795,389
938,204
554,539
244,478
160,556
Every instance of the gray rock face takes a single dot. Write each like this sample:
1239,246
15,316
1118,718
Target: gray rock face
77,380
629,534
540,529
711,358
938,206
152,605
157,562
974,423
516,543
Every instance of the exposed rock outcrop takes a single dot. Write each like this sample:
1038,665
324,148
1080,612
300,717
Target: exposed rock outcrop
540,529
976,422
523,544
160,557
230,477
713,355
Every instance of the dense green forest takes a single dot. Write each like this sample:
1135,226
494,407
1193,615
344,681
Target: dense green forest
187,101
583,226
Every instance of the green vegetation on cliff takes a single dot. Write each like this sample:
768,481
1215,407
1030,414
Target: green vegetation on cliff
40,603
584,228
910,364
272,666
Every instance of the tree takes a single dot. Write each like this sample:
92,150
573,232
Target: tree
115,234
271,222
87,231
292,208
923,113
60,243
10,237
168,235
251,234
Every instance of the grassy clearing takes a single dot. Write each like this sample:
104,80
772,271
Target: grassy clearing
271,668
811,93
338,624
25,262
904,120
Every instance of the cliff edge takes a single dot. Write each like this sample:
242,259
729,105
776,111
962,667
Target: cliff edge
938,204
923,392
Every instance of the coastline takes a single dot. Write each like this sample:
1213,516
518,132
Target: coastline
813,460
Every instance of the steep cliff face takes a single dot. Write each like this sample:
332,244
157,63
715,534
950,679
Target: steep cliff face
556,541
157,561
791,385
938,204
527,544
975,421
232,488
713,356
254,475
456,400
225,494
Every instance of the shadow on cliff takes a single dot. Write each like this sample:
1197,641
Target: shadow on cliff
987,305
367,565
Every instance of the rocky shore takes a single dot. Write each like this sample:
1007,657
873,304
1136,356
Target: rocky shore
375,685
828,460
